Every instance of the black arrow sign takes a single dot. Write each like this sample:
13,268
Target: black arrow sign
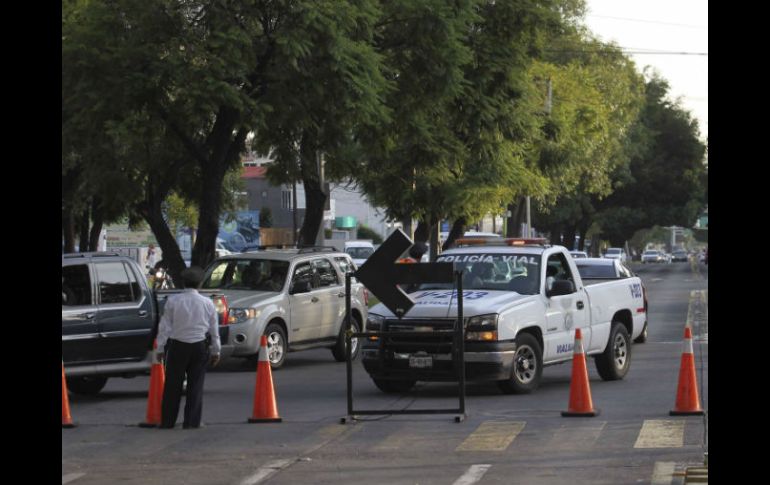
381,275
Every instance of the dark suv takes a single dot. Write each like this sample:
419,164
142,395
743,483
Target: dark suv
108,316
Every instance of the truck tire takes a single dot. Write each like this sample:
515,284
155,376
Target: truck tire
389,386
277,345
86,385
339,351
527,366
614,362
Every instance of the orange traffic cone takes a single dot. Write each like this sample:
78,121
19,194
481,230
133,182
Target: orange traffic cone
265,408
580,403
687,401
66,419
155,396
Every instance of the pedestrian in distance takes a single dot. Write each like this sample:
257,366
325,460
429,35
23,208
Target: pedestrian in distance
152,258
189,333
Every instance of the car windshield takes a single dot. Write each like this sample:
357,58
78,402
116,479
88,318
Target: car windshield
613,251
506,272
597,271
359,253
247,274
650,253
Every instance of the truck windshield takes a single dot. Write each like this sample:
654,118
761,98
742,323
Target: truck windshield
247,274
504,272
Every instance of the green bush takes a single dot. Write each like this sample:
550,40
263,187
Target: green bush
368,233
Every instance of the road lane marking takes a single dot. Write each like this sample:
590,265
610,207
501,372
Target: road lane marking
473,475
70,477
492,436
267,471
663,473
661,433
570,437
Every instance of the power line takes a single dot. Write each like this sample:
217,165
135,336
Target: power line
649,21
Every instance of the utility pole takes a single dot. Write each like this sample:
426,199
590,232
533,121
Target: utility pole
319,239
548,106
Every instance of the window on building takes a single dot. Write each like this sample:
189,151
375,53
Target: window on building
286,199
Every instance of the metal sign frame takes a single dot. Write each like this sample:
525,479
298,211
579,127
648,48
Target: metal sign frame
458,359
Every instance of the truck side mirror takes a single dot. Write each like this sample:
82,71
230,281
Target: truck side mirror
561,287
301,286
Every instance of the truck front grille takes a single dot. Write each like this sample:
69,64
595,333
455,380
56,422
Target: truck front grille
438,338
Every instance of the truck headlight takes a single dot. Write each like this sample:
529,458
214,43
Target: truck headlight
374,323
482,328
240,315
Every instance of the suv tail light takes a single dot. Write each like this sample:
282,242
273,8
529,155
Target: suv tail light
220,302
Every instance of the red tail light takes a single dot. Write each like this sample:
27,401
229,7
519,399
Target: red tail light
220,302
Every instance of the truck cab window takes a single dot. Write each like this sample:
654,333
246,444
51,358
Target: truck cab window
75,285
114,285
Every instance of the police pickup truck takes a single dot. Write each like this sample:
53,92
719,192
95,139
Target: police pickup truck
109,319
522,301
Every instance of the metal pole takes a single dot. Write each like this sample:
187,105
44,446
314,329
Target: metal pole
529,221
461,337
349,362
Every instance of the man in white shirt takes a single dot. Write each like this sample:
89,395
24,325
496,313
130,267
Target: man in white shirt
189,322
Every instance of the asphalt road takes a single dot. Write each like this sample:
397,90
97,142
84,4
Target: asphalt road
504,439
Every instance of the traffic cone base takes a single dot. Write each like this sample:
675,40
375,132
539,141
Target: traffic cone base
687,400
155,394
66,418
580,403
265,407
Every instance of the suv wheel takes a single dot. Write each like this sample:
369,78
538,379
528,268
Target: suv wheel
86,385
339,350
276,345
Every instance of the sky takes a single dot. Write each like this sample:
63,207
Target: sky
671,26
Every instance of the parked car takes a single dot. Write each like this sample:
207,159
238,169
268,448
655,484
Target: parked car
296,297
652,256
679,255
109,319
359,250
618,253
597,270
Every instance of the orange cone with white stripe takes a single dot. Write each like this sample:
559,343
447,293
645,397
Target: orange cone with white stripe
687,400
265,408
155,396
580,403
66,419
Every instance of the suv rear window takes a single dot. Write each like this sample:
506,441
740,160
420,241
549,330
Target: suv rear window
76,285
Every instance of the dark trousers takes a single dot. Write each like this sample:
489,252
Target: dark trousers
190,359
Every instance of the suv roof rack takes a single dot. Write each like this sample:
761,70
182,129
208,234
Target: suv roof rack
317,249
509,241
89,255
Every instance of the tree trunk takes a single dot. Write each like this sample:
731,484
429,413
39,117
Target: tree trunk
172,255
569,237
315,198
83,229
210,203
68,230
555,232
458,229
96,228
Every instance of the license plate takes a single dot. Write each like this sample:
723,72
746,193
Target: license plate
420,362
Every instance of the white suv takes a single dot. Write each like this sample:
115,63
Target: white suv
294,297
616,253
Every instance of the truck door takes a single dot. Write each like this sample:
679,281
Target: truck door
125,312
79,332
564,313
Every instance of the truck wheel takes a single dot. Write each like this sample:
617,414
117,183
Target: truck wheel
339,351
86,385
276,345
614,362
385,385
642,338
527,366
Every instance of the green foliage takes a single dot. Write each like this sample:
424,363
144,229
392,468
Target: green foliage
365,232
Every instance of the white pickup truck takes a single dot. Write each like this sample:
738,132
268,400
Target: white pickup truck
522,301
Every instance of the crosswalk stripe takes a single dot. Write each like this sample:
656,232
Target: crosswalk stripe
70,477
663,473
473,475
570,437
492,436
659,433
